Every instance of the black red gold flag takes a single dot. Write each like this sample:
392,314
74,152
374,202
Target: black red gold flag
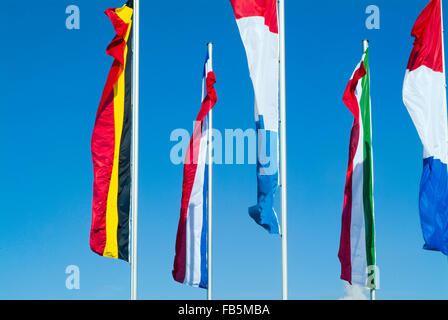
111,145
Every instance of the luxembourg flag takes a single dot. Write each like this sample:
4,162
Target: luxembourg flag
357,244
190,262
258,26
424,95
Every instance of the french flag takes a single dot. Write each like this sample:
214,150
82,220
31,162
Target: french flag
190,262
258,25
424,95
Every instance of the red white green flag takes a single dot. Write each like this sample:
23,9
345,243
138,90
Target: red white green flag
357,244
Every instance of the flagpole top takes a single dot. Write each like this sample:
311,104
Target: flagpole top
210,51
365,45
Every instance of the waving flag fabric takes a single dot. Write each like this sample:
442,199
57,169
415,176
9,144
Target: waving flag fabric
111,145
190,262
424,95
357,244
258,25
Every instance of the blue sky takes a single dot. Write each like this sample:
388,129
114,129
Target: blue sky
52,80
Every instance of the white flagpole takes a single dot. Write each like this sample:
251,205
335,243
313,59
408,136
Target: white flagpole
443,45
281,6
372,294
443,50
135,118
365,46
210,188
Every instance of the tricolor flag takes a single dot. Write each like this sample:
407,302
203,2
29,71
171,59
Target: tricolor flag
191,261
424,95
258,25
357,243
111,146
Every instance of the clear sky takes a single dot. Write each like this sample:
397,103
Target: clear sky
52,80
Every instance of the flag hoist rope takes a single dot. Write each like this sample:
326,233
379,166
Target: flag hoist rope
284,231
134,179
210,187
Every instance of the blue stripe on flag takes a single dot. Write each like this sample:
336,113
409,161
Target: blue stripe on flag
267,177
433,205
204,268
205,65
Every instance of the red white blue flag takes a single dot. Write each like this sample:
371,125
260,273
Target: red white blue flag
258,25
424,95
190,262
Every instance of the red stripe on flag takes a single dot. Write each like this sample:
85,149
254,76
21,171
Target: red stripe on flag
352,104
257,8
427,31
103,149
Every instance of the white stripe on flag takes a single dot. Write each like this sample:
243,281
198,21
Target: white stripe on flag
358,242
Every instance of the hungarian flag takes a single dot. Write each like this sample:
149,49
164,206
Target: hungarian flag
191,261
111,146
357,243
258,25
424,95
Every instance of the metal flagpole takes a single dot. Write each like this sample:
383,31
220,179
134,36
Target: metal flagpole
210,188
281,6
443,50
443,45
134,190
365,46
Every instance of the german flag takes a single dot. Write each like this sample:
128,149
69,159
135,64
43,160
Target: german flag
111,146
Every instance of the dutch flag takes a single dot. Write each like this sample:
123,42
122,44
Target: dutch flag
191,261
258,25
424,95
